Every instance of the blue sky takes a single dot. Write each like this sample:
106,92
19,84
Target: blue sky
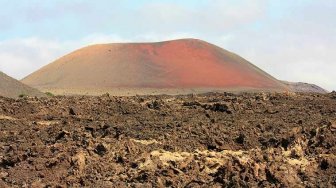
293,40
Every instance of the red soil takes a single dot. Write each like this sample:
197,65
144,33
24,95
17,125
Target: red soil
186,63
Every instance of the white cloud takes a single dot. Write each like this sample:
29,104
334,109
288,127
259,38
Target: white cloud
19,57
215,16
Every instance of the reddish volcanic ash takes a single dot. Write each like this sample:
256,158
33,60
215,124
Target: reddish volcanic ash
186,63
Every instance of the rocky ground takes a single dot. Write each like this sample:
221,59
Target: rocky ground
208,140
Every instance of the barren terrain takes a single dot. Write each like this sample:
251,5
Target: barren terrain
185,63
10,87
207,140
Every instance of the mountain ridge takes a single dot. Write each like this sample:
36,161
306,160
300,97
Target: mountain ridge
9,87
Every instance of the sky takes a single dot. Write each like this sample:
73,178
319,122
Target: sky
293,40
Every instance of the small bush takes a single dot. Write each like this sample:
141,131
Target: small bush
49,94
22,95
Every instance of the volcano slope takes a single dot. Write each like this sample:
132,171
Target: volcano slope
170,67
304,87
9,87
208,140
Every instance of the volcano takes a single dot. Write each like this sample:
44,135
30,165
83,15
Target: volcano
179,65
9,87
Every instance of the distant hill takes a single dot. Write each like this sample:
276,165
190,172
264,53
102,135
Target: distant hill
304,87
185,64
9,87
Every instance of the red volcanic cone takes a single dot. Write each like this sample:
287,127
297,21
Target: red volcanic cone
178,64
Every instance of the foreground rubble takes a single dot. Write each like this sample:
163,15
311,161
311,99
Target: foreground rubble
209,140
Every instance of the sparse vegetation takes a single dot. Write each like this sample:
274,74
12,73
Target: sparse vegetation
49,94
22,95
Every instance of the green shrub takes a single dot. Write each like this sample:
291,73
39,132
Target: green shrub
49,94
22,95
